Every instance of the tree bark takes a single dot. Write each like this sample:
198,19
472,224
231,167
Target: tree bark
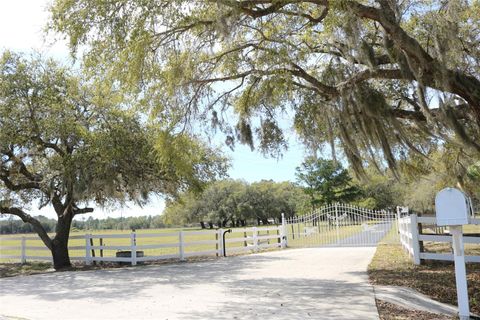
202,224
61,258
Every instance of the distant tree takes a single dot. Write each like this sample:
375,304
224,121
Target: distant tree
381,190
326,182
220,202
67,143
236,203
270,199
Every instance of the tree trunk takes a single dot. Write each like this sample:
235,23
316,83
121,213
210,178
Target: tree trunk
202,224
61,258
210,225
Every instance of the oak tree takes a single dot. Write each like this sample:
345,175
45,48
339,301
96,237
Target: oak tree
71,144
376,79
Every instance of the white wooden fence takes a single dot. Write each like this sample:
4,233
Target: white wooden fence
410,238
252,240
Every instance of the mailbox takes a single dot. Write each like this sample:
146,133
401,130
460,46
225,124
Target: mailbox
452,207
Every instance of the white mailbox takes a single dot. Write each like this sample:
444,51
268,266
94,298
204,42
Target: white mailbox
452,207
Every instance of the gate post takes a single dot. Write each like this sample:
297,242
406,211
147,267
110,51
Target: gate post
336,223
283,233
415,243
219,242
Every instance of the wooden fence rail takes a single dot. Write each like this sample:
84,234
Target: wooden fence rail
410,238
247,239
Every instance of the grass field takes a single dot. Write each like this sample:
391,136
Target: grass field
169,236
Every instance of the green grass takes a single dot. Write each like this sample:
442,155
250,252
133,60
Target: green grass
171,239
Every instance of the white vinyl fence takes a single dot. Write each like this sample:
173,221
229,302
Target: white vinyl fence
133,245
410,239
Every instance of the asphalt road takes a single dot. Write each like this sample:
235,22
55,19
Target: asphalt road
313,283
369,236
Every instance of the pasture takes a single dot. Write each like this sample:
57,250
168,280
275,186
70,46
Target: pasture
195,240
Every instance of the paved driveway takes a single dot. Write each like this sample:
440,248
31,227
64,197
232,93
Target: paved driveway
315,283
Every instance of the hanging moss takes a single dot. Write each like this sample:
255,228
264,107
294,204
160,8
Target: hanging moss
244,133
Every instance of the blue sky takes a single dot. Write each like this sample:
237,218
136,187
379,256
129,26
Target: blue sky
21,24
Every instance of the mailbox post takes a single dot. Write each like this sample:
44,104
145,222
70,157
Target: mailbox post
453,209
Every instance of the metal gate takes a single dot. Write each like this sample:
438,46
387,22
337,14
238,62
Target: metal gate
339,225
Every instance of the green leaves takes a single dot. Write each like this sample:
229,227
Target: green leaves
326,182
63,138
236,201
364,77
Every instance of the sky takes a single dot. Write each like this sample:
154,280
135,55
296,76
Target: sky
21,29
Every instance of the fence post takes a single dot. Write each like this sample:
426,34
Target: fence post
220,242
133,248
88,257
255,239
216,244
181,248
23,258
283,232
101,250
415,243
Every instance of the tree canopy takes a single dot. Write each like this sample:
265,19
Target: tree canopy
236,202
377,80
70,143
326,182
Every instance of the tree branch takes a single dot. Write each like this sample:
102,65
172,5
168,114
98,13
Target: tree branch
20,186
48,145
37,226
81,211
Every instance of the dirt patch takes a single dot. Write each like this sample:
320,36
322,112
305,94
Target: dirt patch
18,269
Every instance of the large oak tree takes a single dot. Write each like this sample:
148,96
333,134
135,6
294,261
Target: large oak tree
378,79
71,144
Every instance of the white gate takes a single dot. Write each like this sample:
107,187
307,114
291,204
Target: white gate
340,225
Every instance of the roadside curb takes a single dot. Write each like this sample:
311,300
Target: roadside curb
413,300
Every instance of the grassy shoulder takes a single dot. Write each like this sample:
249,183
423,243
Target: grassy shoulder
392,266
18,269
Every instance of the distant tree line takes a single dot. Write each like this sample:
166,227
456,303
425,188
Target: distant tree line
13,225
236,203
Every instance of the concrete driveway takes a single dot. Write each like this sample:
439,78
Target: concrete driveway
315,283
